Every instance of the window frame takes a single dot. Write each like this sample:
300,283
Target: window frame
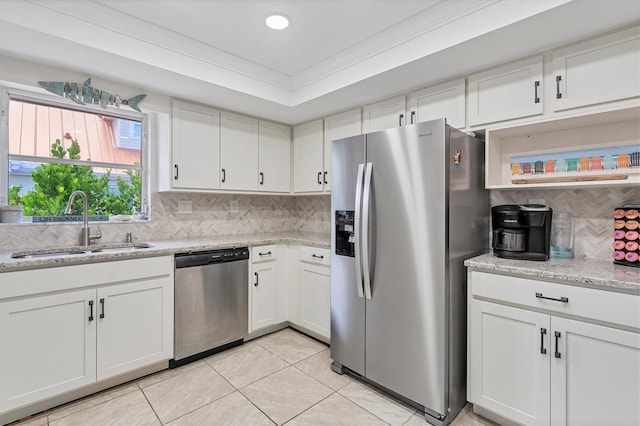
38,96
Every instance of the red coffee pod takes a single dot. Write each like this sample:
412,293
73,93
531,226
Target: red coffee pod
629,235
631,246
618,255
618,244
618,213
618,234
631,214
631,256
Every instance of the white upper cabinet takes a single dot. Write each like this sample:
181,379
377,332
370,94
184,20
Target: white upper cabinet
384,115
308,154
601,70
338,126
507,92
275,157
238,152
445,100
195,146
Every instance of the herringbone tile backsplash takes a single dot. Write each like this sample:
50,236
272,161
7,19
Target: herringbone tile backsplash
592,209
211,215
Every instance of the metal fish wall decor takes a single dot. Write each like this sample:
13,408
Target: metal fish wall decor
85,94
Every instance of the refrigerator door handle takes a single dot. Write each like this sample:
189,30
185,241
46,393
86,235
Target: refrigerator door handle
365,230
358,214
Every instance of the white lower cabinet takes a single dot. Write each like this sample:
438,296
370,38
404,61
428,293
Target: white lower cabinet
68,327
534,367
314,291
263,288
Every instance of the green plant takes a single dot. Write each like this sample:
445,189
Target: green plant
54,183
14,195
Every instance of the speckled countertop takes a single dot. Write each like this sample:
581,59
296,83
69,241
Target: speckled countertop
585,272
158,248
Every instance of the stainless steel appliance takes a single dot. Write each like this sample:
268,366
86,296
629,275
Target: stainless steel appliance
211,303
521,231
408,206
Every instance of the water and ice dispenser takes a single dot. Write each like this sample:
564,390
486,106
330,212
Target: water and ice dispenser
345,233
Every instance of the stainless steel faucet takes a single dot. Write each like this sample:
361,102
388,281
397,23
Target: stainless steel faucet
85,232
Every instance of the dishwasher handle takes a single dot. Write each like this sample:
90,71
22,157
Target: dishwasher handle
187,260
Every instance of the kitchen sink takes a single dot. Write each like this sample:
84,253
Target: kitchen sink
69,251
118,247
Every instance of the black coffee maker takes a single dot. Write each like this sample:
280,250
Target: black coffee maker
521,231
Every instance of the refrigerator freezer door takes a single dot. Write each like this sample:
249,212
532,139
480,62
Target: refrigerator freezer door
347,306
406,316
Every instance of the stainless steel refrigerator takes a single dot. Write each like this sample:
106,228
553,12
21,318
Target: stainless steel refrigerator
408,206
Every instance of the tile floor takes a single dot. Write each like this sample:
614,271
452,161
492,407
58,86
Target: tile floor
281,378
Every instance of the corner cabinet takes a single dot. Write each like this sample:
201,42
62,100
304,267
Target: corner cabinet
308,158
507,92
314,291
68,327
601,70
547,353
195,146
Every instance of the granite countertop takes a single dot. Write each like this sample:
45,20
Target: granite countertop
600,274
159,248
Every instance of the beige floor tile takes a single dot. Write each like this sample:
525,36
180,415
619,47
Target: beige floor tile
336,410
91,401
467,417
179,395
290,345
285,394
318,366
129,409
167,374
246,364
383,406
231,410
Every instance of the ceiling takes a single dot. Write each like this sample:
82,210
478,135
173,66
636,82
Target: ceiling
335,55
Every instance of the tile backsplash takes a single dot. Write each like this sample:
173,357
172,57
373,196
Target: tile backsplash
592,209
212,215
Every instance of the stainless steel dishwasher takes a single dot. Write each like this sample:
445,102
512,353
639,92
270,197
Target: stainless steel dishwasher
211,303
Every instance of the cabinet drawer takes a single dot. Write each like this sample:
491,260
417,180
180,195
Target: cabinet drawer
315,255
263,253
600,305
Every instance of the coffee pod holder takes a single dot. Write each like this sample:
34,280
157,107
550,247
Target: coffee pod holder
626,235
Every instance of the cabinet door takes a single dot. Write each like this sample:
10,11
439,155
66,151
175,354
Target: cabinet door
135,325
307,157
508,92
238,152
275,157
596,379
48,346
195,146
384,115
508,371
337,127
314,292
264,295
601,70
445,100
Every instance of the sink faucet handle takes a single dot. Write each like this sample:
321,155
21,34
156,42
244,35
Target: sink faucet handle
96,236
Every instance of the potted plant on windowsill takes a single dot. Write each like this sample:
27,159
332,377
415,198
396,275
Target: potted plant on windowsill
12,213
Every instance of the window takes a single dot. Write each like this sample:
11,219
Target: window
54,147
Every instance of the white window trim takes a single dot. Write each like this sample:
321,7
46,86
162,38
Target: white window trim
9,91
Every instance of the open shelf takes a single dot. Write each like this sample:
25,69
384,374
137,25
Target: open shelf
610,129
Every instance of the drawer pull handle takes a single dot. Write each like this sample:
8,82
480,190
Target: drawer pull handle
265,254
317,257
102,304
543,350
91,313
562,299
558,335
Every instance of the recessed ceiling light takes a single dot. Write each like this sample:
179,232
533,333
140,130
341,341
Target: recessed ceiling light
277,22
